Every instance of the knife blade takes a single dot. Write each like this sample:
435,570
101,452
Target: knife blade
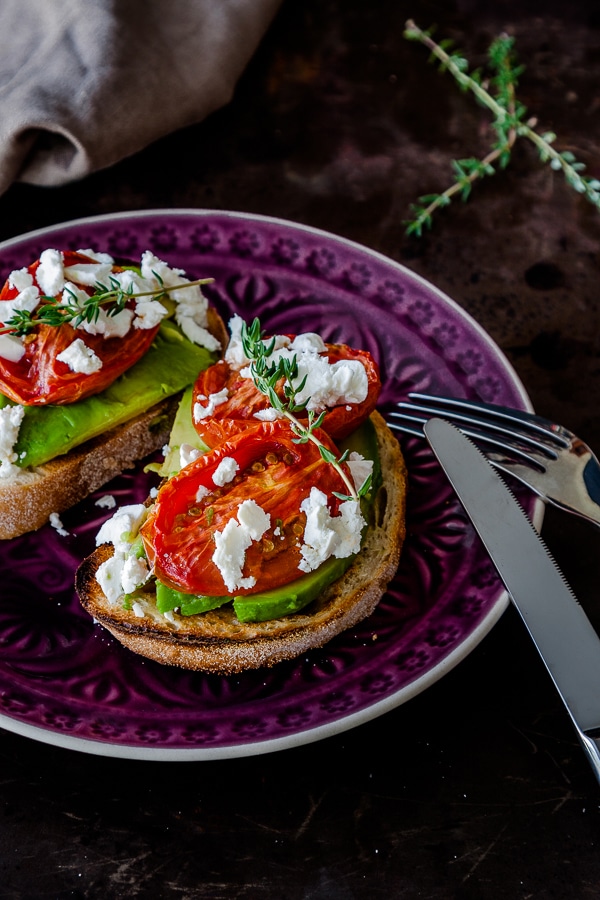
558,625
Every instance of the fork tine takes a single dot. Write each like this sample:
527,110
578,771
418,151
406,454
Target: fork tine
536,424
413,425
512,435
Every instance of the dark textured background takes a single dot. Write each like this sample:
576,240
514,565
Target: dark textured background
477,788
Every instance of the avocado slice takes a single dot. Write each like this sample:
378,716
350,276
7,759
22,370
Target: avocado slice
289,598
171,363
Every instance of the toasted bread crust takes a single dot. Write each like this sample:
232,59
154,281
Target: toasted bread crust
217,642
27,502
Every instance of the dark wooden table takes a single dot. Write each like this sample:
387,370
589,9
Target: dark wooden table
476,788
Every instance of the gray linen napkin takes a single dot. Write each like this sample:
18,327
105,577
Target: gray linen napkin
84,83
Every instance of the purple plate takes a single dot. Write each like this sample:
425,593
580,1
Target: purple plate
65,681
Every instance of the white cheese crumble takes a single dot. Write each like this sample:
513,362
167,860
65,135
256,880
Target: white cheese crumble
26,300
233,541
97,255
123,526
57,524
106,502
326,535
89,274
10,423
80,358
360,468
225,471
19,279
201,412
124,571
148,313
12,348
50,274
191,305
325,384
269,414
188,454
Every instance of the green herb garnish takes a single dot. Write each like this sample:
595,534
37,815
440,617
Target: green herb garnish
266,373
74,310
510,121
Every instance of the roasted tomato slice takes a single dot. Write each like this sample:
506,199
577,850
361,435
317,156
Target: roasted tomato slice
38,377
191,511
244,400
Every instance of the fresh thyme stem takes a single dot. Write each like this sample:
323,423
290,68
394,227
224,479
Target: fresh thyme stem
266,373
310,435
510,123
56,314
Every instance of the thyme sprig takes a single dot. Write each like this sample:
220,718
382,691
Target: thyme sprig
510,121
75,311
266,373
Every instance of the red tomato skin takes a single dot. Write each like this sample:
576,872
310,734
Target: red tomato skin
178,533
38,378
245,399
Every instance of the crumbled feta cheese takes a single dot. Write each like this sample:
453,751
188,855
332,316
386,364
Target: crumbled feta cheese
253,518
138,610
97,255
201,493
134,573
188,454
225,471
190,303
123,526
109,326
12,347
148,313
324,384
326,535
125,570
360,468
195,333
233,541
108,576
10,423
50,273
234,355
89,274
214,400
26,300
19,279
80,358
57,524
269,414
328,384
106,502
309,342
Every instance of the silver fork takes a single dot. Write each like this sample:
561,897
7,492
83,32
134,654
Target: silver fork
546,457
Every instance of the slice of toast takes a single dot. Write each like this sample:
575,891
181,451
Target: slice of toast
217,642
28,498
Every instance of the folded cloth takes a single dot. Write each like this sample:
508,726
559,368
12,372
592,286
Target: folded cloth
84,83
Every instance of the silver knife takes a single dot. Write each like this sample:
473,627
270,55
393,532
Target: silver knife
561,631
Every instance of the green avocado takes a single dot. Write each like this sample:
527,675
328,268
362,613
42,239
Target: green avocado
171,363
297,594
